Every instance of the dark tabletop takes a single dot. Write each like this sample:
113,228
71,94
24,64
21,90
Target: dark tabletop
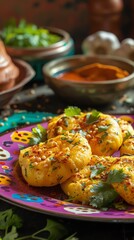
38,97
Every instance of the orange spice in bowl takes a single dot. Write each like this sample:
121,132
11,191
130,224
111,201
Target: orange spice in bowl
95,72
75,88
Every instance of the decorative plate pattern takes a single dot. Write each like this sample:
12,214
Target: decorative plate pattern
45,200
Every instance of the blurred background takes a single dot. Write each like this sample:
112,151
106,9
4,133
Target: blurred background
78,17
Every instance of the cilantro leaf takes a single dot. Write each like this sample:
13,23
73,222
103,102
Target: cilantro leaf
9,222
96,169
72,111
105,195
56,230
8,218
39,134
12,235
116,176
103,128
100,187
92,117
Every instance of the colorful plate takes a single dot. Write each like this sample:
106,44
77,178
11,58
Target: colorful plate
45,200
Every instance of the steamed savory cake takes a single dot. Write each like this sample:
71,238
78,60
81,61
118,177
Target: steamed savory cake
54,161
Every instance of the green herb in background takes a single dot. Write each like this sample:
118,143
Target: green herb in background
26,34
11,222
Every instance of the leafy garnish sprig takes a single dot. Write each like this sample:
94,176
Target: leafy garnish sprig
72,111
96,169
103,193
9,222
92,117
39,134
103,128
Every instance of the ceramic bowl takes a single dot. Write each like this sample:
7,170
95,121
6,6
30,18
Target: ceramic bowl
60,48
26,74
38,56
87,92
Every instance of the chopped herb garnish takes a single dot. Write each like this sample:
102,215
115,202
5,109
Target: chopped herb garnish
83,133
52,159
65,121
92,117
26,154
39,134
31,165
63,138
104,193
103,128
127,135
69,140
72,131
116,176
72,111
96,169
103,137
76,143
